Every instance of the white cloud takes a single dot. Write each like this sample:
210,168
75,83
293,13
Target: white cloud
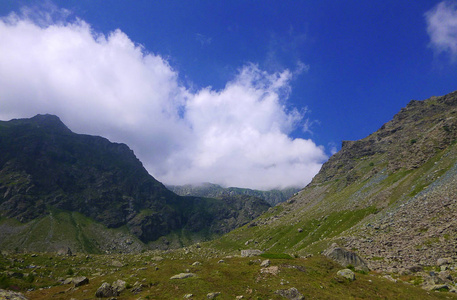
107,85
442,28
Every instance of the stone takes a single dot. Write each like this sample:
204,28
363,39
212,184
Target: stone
157,258
221,261
119,286
300,229
117,264
137,287
182,276
10,295
415,269
197,263
291,294
212,295
65,251
80,280
188,296
346,273
445,276
345,257
106,290
250,252
265,263
274,270
436,287
444,261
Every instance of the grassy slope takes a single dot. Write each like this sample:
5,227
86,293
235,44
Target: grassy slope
314,277
326,211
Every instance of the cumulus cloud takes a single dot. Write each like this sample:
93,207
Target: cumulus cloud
107,85
442,28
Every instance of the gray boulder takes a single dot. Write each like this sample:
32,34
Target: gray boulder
182,276
10,295
346,273
345,257
106,290
292,294
80,280
250,252
119,286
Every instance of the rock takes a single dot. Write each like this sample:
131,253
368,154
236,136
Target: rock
157,258
346,273
10,295
221,261
182,275
274,270
345,257
137,287
119,286
65,251
117,264
390,278
212,295
265,263
436,287
445,276
81,280
187,296
239,297
106,290
444,261
300,229
250,252
197,263
415,269
292,294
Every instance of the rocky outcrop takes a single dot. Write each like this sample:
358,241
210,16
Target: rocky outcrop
345,257
46,167
10,295
291,294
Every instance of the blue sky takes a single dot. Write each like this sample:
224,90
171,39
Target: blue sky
283,81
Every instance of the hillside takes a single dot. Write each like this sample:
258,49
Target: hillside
75,189
391,197
210,190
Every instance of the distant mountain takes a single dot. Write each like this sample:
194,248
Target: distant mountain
46,171
391,197
210,190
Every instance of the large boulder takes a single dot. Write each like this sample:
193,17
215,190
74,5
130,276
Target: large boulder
292,294
10,295
106,290
345,257
251,252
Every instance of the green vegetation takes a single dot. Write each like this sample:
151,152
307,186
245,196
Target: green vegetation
314,277
276,256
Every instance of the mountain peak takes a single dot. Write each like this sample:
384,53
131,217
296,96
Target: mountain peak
49,122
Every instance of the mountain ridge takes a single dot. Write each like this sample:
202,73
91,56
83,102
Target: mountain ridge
45,165
391,197
211,190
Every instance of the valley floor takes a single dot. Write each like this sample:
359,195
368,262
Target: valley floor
207,274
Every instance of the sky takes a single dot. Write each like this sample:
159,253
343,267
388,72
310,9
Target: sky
255,94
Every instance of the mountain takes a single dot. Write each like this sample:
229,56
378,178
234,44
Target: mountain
210,190
390,197
50,175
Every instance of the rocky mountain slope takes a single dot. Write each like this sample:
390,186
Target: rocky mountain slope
66,182
390,197
210,190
